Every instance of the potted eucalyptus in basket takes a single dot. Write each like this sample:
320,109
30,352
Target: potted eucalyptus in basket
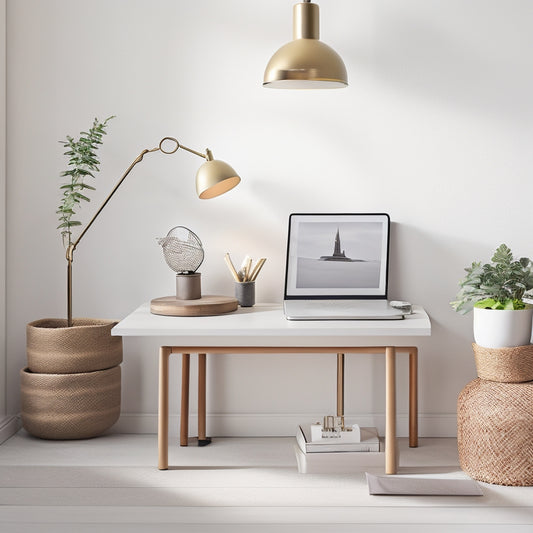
72,384
495,291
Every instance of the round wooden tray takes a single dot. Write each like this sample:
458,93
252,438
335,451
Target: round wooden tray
207,305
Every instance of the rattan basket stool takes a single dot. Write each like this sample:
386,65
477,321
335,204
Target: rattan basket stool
495,426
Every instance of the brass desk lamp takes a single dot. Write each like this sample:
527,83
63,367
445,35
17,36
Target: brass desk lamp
213,178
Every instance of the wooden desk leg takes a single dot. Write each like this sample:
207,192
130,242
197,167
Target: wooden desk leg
202,366
413,397
184,418
340,384
390,410
162,429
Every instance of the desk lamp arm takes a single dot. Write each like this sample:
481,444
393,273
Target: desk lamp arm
71,247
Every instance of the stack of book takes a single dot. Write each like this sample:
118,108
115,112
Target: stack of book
337,454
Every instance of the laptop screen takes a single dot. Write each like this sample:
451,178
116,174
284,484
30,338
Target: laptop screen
337,256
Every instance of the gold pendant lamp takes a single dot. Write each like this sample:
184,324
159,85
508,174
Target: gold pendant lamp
305,62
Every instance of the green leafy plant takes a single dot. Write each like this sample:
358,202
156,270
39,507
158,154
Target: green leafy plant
83,162
500,284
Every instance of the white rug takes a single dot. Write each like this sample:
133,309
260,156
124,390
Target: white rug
421,485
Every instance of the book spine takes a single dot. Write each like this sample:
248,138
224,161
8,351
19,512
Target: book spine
321,448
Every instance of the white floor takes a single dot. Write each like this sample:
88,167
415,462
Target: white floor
111,484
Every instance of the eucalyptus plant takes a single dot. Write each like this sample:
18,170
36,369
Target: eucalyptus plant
83,163
500,284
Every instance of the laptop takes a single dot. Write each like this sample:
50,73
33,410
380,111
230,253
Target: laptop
337,267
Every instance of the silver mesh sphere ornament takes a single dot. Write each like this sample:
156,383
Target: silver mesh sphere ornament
182,250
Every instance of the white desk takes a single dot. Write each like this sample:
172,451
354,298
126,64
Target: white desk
264,329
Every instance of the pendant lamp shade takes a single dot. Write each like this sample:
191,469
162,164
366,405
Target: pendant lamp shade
306,62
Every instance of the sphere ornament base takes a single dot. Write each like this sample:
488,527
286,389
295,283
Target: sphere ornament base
189,286
208,305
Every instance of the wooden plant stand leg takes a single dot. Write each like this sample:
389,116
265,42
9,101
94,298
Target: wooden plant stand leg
203,440
184,418
162,430
413,397
391,466
340,384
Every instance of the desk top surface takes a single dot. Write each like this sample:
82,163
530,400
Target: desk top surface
266,325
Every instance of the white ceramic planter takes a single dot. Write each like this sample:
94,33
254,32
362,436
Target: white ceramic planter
496,328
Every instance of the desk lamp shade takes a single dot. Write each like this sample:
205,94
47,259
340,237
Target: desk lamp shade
214,178
306,62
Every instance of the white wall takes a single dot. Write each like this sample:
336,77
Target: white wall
2,210
436,129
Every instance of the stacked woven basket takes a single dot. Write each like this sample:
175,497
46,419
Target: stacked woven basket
495,417
71,387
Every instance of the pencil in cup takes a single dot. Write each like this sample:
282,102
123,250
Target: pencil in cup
246,273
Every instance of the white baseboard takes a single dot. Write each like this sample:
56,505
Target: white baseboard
272,425
9,425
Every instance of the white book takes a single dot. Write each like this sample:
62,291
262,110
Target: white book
369,442
337,463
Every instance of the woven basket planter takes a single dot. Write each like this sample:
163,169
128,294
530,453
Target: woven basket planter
54,348
495,432
507,365
70,406
72,385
